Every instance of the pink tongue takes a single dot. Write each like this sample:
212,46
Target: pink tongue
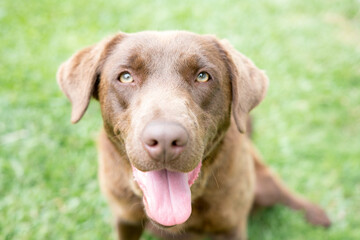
167,195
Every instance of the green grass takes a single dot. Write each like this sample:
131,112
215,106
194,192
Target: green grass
308,128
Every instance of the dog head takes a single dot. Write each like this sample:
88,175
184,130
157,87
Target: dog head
166,101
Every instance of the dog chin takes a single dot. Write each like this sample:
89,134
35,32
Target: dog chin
160,226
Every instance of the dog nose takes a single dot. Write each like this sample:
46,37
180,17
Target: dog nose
164,141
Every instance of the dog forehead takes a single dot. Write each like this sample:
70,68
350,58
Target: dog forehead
167,47
168,41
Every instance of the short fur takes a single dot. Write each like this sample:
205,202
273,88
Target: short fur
164,65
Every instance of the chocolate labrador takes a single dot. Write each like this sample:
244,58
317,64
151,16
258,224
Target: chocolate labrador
173,153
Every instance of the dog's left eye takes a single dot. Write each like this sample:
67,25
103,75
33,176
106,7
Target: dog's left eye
125,77
203,77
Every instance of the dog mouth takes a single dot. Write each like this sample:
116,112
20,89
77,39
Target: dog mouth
166,194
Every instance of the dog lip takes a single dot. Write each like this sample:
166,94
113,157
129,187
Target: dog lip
161,166
193,174
147,169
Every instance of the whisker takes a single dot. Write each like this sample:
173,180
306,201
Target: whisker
217,184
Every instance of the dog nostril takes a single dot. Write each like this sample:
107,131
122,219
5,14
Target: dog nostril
177,143
153,143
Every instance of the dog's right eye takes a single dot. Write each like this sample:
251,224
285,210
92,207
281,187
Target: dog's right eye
125,77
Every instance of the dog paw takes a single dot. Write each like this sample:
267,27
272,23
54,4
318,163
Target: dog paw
317,216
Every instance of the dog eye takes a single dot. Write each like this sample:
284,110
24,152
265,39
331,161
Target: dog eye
203,77
125,77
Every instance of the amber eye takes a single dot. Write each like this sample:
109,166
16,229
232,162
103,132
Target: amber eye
203,77
125,77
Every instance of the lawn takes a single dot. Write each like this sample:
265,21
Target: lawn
308,128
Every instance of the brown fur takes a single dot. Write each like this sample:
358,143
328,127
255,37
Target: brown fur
233,178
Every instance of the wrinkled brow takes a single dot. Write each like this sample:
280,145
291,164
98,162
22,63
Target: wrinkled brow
191,64
131,60
134,62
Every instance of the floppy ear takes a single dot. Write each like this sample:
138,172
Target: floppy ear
249,85
78,76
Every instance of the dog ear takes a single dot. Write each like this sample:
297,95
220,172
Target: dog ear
249,85
78,76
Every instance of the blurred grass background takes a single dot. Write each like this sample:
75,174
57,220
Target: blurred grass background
308,128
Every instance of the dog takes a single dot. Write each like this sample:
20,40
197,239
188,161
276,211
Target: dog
173,153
